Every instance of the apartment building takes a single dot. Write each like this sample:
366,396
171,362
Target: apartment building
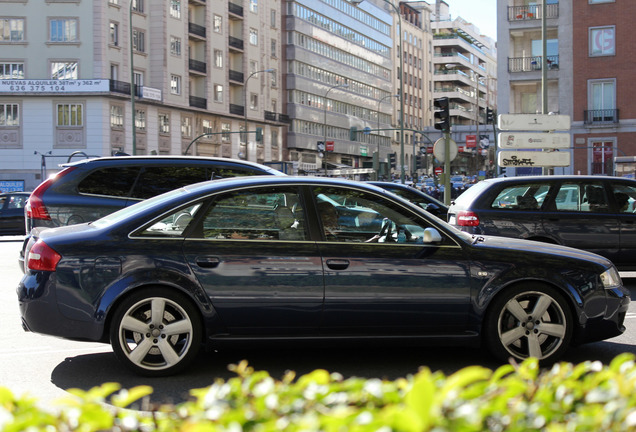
465,71
203,74
604,95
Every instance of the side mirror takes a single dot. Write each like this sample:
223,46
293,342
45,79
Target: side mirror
431,235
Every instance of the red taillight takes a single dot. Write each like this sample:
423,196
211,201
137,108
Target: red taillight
42,257
35,208
467,218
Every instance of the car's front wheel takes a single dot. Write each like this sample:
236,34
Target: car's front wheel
529,321
156,332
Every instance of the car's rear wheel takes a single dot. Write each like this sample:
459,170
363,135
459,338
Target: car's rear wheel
156,332
529,321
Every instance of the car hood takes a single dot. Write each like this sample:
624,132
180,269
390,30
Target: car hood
531,247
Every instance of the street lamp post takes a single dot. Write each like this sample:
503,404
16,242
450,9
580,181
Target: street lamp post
245,107
132,81
377,172
401,78
324,124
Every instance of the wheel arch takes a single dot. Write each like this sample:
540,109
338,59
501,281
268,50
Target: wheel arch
120,294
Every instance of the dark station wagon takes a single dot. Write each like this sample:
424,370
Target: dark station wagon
593,213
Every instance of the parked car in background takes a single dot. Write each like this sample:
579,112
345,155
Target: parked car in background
12,212
270,259
87,190
595,213
415,196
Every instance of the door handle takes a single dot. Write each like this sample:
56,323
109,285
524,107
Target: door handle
335,264
207,262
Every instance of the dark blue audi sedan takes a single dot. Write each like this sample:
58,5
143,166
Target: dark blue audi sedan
277,259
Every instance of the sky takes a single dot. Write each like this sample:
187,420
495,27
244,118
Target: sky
482,13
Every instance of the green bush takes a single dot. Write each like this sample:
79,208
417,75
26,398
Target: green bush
584,397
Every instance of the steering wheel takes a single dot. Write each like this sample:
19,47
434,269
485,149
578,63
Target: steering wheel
386,232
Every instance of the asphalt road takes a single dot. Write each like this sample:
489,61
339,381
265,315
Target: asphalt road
45,367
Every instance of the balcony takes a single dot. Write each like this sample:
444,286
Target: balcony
235,9
198,102
532,12
600,117
123,87
236,76
271,116
528,64
237,109
235,43
196,29
197,66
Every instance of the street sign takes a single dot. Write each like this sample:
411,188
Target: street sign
330,145
440,152
367,130
471,141
516,159
531,140
533,122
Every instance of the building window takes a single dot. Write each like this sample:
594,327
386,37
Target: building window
11,70
225,135
253,66
218,58
274,78
113,2
138,5
116,116
218,93
175,9
140,120
602,41
254,6
63,30
9,114
175,46
64,70
273,47
253,37
253,101
602,158
186,127
206,126
164,124
11,29
114,72
175,84
70,114
218,24
114,34
602,102
273,21
139,40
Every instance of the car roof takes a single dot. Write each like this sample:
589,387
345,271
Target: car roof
553,177
171,158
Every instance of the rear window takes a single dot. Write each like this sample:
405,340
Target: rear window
156,180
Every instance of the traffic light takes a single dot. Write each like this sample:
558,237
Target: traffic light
490,116
259,134
393,160
442,115
353,133
419,162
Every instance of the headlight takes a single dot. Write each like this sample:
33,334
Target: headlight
611,279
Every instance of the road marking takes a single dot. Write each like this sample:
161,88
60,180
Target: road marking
630,315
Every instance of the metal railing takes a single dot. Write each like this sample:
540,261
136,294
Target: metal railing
196,29
602,116
198,102
528,64
532,12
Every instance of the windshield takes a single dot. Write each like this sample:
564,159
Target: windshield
124,213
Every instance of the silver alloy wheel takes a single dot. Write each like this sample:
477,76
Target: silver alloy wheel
532,324
155,333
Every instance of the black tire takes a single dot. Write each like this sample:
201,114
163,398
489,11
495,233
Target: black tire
161,345
511,330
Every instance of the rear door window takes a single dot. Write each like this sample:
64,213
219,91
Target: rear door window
113,181
521,197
